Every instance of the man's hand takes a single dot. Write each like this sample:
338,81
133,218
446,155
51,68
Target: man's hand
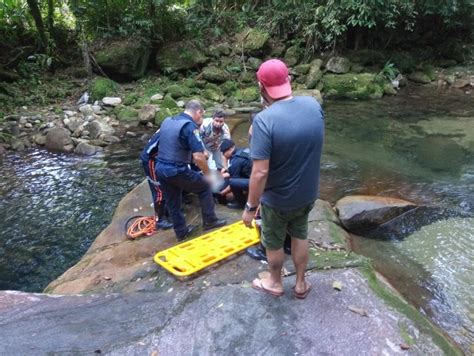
247,218
225,175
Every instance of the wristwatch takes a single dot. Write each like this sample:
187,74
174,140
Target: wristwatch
250,208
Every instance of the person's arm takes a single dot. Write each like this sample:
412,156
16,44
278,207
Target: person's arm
194,141
200,160
258,179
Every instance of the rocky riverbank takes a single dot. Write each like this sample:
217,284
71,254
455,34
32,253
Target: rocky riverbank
85,115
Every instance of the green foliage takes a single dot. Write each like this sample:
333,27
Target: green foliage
389,71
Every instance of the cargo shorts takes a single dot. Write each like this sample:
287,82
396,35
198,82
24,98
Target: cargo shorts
276,223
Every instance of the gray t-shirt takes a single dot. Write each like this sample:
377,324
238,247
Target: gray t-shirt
290,134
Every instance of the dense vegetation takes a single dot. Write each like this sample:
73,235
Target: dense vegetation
49,26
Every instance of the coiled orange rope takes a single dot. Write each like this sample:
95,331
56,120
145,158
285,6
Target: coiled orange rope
138,226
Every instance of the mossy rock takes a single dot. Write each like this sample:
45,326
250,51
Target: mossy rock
388,89
430,71
168,102
252,40
215,74
180,56
189,83
127,114
247,77
254,63
339,65
177,91
293,55
404,61
419,77
161,115
314,76
124,60
229,87
131,99
248,94
221,49
302,69
102,87
352,86
211,95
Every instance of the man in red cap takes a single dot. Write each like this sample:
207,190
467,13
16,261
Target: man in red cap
286,147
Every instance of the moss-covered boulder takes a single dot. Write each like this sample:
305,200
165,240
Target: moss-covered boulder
124,60
130,99
302,69
220,49
292,55
211,94
254,63
247,77
180,56
126,113
229,87
161,115
168,102
102,87
177,91
339,65
315,74
361,86
248,94
251,40
419,77
215,74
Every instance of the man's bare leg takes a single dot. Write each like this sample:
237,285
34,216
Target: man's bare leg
275,260
299,254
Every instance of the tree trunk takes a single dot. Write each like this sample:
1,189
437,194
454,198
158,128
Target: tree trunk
50,19
35,12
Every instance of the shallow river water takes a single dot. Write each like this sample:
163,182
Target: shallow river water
416,146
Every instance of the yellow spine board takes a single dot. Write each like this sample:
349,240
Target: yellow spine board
191,256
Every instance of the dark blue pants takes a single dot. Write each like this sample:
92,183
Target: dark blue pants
239,186
176,179
156,193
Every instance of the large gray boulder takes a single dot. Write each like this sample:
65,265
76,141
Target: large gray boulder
85,149
124,60
360,213
338,65
58,139
99,127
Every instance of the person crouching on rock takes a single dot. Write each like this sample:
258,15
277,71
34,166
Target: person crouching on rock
237,173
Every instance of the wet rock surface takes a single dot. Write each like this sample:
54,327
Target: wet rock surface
360,213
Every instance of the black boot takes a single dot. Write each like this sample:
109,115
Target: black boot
257,253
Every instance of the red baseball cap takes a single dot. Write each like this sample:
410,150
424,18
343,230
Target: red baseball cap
273,75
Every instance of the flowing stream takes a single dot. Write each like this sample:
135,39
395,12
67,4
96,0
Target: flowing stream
417,146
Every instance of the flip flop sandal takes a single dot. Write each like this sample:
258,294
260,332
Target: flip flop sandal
257,284
304,294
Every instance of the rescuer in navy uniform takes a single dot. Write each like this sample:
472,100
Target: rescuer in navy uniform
180,145
237,173
147,157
